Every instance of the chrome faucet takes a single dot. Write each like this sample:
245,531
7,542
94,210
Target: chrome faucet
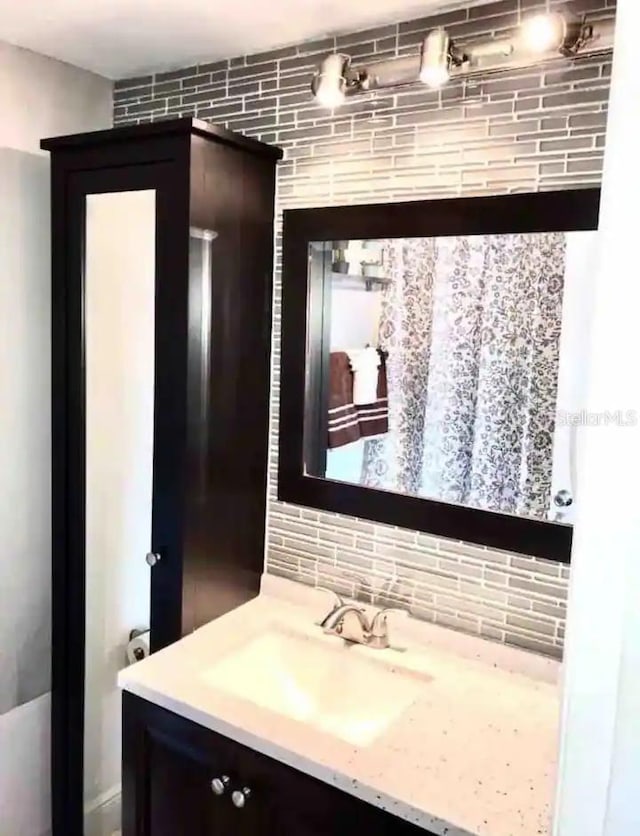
373,633
334,622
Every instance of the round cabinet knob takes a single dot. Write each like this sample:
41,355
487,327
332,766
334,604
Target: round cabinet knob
563,499
152,558
219,785
239,797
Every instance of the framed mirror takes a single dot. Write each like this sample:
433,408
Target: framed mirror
433,368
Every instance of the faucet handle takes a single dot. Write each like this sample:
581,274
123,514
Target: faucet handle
336,599
379,620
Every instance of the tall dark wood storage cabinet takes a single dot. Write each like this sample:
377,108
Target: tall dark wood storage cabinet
212,198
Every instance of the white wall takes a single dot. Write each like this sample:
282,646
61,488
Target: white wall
41,97
599,775
38,97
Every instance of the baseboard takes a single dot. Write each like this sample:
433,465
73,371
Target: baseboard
102,817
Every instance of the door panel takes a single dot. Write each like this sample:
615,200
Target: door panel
181,801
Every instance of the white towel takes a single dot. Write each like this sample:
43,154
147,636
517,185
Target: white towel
364,365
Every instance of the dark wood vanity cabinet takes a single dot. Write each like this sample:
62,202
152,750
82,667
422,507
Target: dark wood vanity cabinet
169,764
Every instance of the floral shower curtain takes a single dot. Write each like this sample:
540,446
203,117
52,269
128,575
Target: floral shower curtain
472,326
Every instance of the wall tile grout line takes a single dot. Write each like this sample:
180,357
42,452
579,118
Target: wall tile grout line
523,130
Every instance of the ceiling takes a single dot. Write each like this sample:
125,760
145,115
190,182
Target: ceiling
120,38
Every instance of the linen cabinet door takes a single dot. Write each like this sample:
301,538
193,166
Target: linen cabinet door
182,795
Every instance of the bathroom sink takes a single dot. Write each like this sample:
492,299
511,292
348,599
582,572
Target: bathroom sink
324,684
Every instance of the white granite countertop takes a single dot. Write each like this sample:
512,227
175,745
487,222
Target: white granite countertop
473,753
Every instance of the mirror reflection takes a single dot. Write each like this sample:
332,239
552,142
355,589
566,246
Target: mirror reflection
451,368
120,238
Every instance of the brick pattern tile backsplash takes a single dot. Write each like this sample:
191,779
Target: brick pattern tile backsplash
530,129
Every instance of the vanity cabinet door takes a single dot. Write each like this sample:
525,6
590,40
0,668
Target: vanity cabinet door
181,801
168,766
169,763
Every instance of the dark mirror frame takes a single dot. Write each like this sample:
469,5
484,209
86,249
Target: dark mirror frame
304,323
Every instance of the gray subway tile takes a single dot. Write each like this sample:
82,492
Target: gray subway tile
512,84
461,622
173,74
128,83
366,36
318,45
514,128
386,47
464,605
484,109
163,88
571,73
308,548
540,627
433,139
567,144
461,568
353,561
405,557
489,9
498,24
538,588
577,97
273,55
251,71
488,631
148,91
588,120
546,648
214,67
583,6
253,122
206,96
300,63
396,535
519,602
494,577
592,164
555,123
147,107
339,537
557,609
483,591
543,567
552,168
190,82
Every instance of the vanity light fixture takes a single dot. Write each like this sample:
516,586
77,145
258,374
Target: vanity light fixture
540,38
554,32
435,58
330,82
543,32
